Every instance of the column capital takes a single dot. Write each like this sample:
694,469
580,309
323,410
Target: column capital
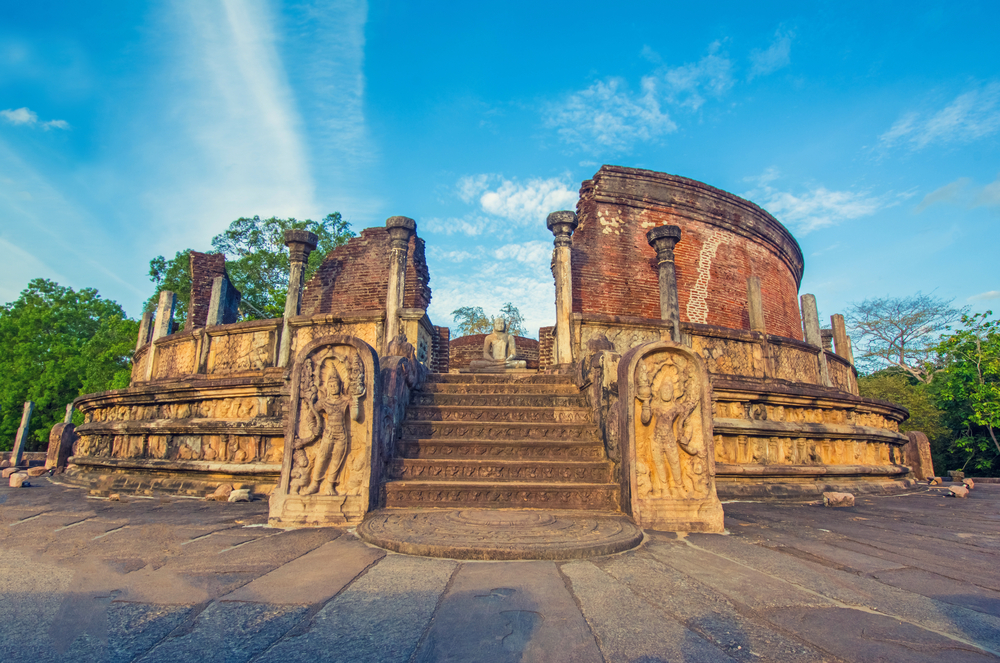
562,224
400,228
300,244
663,239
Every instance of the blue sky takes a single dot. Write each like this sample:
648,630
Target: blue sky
131,129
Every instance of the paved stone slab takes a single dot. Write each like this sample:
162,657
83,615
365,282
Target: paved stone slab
630,629
312,578
861,636
509,612
380,618
227,633
719,620
942,588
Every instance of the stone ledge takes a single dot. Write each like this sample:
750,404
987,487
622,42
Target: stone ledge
178,465
262,426
764,428
733,470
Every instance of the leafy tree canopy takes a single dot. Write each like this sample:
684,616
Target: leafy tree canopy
55,344
256,259
473,320
968,387
900,331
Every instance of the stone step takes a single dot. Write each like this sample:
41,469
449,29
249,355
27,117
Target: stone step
487,494
487,388
489,378
472,449
499,400
500,470
463,413
462,430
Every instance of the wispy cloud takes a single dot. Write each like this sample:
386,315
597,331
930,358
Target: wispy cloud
816,206
774,57
964,193
970,116
985,296
505,204
24,116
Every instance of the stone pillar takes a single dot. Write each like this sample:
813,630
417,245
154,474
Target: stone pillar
400,229
216,302
755,305
161,327
22,434
663,239
164,314
69,414
145,327
61,440
562,224
300,244
810,324
841,344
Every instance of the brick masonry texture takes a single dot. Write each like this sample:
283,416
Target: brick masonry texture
355,276
545,343
204,268
441,350
466,348
725,240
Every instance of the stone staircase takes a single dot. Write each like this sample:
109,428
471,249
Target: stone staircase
500,441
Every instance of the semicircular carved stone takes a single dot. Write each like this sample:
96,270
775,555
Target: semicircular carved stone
328,473
665,429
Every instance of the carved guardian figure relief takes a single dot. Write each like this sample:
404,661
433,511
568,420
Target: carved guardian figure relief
331,390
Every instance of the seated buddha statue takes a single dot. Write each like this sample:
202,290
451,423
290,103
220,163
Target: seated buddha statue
499,351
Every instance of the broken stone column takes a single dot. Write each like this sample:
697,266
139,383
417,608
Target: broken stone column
162,326
755,305
841,344
400,229
810,324
663,239
300,244
562,224
22,434
224,304
145,328
61,440
68,419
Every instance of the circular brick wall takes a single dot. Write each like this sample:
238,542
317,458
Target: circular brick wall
724,240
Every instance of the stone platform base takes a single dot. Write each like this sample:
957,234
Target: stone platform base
151,477
500,534
498,371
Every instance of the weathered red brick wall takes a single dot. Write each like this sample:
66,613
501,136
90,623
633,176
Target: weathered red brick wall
466,348
441,350
355,276
546,341
724,240
204,268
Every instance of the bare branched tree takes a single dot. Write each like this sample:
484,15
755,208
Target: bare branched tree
900,331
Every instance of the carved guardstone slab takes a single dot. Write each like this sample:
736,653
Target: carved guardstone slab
327,471
668,451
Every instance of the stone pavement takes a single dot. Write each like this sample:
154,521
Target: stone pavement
906,578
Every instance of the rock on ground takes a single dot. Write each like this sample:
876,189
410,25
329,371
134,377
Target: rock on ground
19,480
242,495
958,491
838,499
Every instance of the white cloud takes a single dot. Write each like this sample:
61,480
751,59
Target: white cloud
532,252
985,296
773,58
962,194
505,204
970,116
27,117
608,114
816,207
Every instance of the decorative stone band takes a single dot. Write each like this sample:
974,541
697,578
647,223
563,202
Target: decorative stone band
329,470
667,447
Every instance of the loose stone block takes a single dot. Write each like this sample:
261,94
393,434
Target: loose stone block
241,495
838,499
934,481
956,475
9,471
36,471
19,480
221,493
958,491
969,483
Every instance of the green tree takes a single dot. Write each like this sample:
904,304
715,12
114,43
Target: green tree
900,331
55,344
968,388
256,259
473,320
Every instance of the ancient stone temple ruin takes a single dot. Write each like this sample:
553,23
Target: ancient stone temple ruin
682,366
